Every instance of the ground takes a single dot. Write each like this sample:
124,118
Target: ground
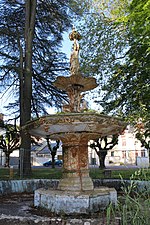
17,209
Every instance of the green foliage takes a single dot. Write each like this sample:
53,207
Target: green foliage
96,173
104,44
101,44
10,141
127,174
143,134
141,174
132,207
116,50
44,173
128,90
4,173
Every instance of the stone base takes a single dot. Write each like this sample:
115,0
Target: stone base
70,203
76,183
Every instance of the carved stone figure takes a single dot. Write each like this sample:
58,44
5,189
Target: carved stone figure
74,59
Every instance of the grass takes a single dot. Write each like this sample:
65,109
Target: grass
44,173
4,174
142,174
95,173
47,173
133,207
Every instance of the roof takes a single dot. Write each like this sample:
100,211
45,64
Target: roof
45,149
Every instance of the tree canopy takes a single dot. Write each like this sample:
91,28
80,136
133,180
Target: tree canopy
117,51
128,90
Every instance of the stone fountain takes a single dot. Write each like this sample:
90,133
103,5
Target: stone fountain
75,127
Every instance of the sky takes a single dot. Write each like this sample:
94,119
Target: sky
67,44
4,100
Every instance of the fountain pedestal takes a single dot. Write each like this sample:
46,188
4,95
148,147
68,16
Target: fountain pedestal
75,169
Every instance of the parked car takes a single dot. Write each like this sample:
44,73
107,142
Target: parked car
57,163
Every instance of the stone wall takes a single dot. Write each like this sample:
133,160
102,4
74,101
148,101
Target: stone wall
29,186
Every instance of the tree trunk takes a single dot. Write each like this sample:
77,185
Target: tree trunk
102,156
53,160
7,159
26,84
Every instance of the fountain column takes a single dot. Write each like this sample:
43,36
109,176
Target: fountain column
76,173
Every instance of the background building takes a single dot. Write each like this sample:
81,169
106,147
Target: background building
127,151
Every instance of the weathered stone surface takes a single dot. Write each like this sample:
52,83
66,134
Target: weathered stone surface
75,157
58,125
75,130
86,83
70,203
29,186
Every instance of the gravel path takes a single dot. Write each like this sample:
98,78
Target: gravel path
17,209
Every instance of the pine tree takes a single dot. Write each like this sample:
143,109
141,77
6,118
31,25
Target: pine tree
30,41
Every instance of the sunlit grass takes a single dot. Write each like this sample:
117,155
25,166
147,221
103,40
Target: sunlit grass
95,173
142,174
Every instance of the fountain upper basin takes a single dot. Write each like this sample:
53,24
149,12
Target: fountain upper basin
93,125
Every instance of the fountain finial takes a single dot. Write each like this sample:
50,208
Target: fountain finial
74,35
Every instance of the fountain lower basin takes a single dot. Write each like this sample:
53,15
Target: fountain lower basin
78,202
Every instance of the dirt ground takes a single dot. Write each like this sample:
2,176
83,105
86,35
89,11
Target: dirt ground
17,209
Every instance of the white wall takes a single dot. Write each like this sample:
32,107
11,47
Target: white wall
142,162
